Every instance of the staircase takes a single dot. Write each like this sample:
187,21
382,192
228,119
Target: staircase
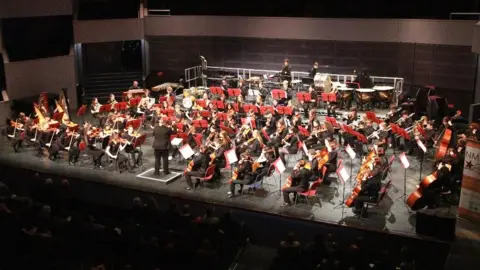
101,85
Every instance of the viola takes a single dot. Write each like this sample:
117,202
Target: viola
189,167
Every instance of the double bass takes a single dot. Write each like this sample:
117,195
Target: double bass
443,143
414,199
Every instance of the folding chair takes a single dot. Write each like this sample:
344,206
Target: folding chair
310,192
270,175
381,194
208,177
258,183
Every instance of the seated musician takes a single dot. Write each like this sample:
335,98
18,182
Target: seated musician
58,143
307,106
192,133
200,163
242,174
95,111
45,136
405,121
115,151
331,164
170,94
128,97
446,124
300,181
135,152
270,124
147,94
381,136
219,152
426,139
259,101
178,113
267,157
230,110
264,92
224,85
392,115
255,147
243,88
15,131
134,86
74,147
289,143
279,133
471,133
91,149
290,93
296,119
370,187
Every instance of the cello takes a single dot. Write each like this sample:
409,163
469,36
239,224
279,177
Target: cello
300,164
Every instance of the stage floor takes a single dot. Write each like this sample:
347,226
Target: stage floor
392,216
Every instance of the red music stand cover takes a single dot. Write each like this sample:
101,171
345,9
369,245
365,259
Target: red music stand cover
278,94
222,116
235,107
168,112
394,128
265,109
158,105
370,115
219,104
329,97
249,107
304,96
252,121
162,99
205,114
121,106
183,136
198,139
420,129
234,92
202,103
135,101
227,129
105,108
179,126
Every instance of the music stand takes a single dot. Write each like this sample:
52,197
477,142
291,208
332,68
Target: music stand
219,104
205,114
307,80
278,94
204,123
81,112
58,116
221,116
105,108
265,109
201,102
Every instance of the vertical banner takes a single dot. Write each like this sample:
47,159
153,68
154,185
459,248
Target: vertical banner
469,207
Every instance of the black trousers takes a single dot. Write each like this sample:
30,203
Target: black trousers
238,182
188,177
286,192
161,155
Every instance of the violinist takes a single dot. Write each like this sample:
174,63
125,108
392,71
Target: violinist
255,147
58,143
300,181
212,136
105,135
296,119
192,133
14,131
115,151
135,152
312,117
279,134
230,110
91,150
200,163
290,143
270,124
178,113
243,135
370,187
315,136
74,145
266,158
240,102
218,156
242,175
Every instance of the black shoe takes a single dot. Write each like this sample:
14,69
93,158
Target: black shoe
197,184
156,173
166,173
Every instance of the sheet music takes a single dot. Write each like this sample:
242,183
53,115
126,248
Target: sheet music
343,174
186,151
253,92
350,151
279,165
421,146
231,156
404,160
177,141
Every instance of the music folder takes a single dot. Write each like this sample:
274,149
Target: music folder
186,151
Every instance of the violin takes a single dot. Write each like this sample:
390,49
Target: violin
16,124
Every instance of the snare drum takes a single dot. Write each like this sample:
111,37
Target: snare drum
365,95
384,93
345,93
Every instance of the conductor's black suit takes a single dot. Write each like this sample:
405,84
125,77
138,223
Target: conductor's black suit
161,146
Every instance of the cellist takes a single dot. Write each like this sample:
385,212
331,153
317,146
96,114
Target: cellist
370,186
242,174
199,165
300,181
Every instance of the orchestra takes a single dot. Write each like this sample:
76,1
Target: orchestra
262,131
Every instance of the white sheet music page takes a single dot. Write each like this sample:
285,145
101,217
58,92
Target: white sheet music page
350,151
279,165
342,174
177,141
186,151
404,160
421,146
231,156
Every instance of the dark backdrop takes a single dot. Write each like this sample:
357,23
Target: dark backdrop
451,68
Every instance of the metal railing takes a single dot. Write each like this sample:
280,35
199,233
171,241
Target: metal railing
465,15
192,74
158,12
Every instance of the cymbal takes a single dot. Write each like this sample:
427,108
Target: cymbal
164,86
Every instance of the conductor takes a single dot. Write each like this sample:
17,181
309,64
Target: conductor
161,146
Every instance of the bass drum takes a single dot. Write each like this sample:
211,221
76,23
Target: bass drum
187,103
